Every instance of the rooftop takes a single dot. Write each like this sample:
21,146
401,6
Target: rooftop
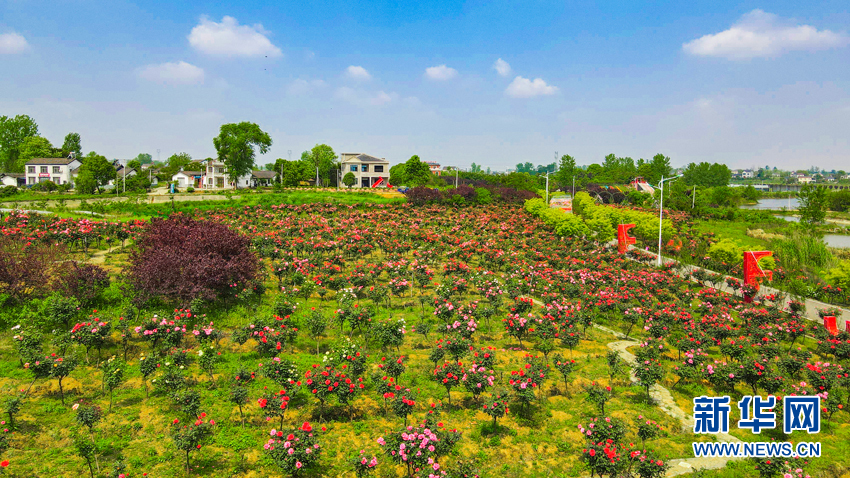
40,161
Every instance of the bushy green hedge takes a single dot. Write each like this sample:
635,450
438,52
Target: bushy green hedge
564,224
603,220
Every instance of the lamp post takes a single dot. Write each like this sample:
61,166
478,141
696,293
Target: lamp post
547,188
694,197
661,213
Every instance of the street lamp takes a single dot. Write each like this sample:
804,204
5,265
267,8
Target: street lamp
547,188
661,213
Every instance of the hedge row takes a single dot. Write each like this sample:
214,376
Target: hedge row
603,220
563,223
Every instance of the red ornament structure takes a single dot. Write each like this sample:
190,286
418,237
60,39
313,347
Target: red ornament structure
752,271
623,237
831,325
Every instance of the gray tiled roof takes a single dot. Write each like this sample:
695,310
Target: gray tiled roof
40,161
365,158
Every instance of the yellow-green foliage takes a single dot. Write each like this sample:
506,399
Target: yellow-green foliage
726,251
839,276
563,223
603,220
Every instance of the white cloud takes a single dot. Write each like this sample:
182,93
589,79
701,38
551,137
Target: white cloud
525,88
440,73
365,98
173,73
11,43
357,73
303,87
229,38
763,35
502,67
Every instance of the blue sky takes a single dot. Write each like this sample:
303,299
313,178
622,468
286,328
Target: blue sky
744,83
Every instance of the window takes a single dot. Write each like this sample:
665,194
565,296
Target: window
31,169
56,180
56,169
31,179
354,168
379,169
365,168
43,169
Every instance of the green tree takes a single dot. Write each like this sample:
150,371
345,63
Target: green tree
13,132
72,145
416,172
134,164
658,167
566,171
36,147
321,157
144,158
397,175
176,162
96,168
236,144
291,173
474,168
707,174
813,203
349,179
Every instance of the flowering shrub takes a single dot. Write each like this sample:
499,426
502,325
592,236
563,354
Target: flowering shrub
518,326
274,405
598,395
294,452
189,437
497,407
477,379
363,466
448,375
419,446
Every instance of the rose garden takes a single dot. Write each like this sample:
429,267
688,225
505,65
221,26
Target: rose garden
385,340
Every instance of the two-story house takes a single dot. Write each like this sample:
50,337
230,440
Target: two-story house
368,171
58,170
215,177
434,167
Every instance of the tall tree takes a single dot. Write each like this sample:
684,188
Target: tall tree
98,169
236,143
321,158
659,166
566,171
416,172
814,201
72,145
144,158
291,173
707,174
13,132
474,168
36,147
176,162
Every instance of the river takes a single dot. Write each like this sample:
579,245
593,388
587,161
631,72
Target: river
773,204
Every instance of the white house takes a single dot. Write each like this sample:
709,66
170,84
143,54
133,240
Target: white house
747,174
804,179
12,179
369,171
215,177
262,178
58,170
185,179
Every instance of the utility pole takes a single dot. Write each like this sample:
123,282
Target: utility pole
456,176
694,197
547,185
661,213
125,178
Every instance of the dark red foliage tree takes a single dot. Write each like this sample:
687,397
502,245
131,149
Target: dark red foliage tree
180,259
26,267
421,195
83,281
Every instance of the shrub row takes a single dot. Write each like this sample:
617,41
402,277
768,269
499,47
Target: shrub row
564,224
603,220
